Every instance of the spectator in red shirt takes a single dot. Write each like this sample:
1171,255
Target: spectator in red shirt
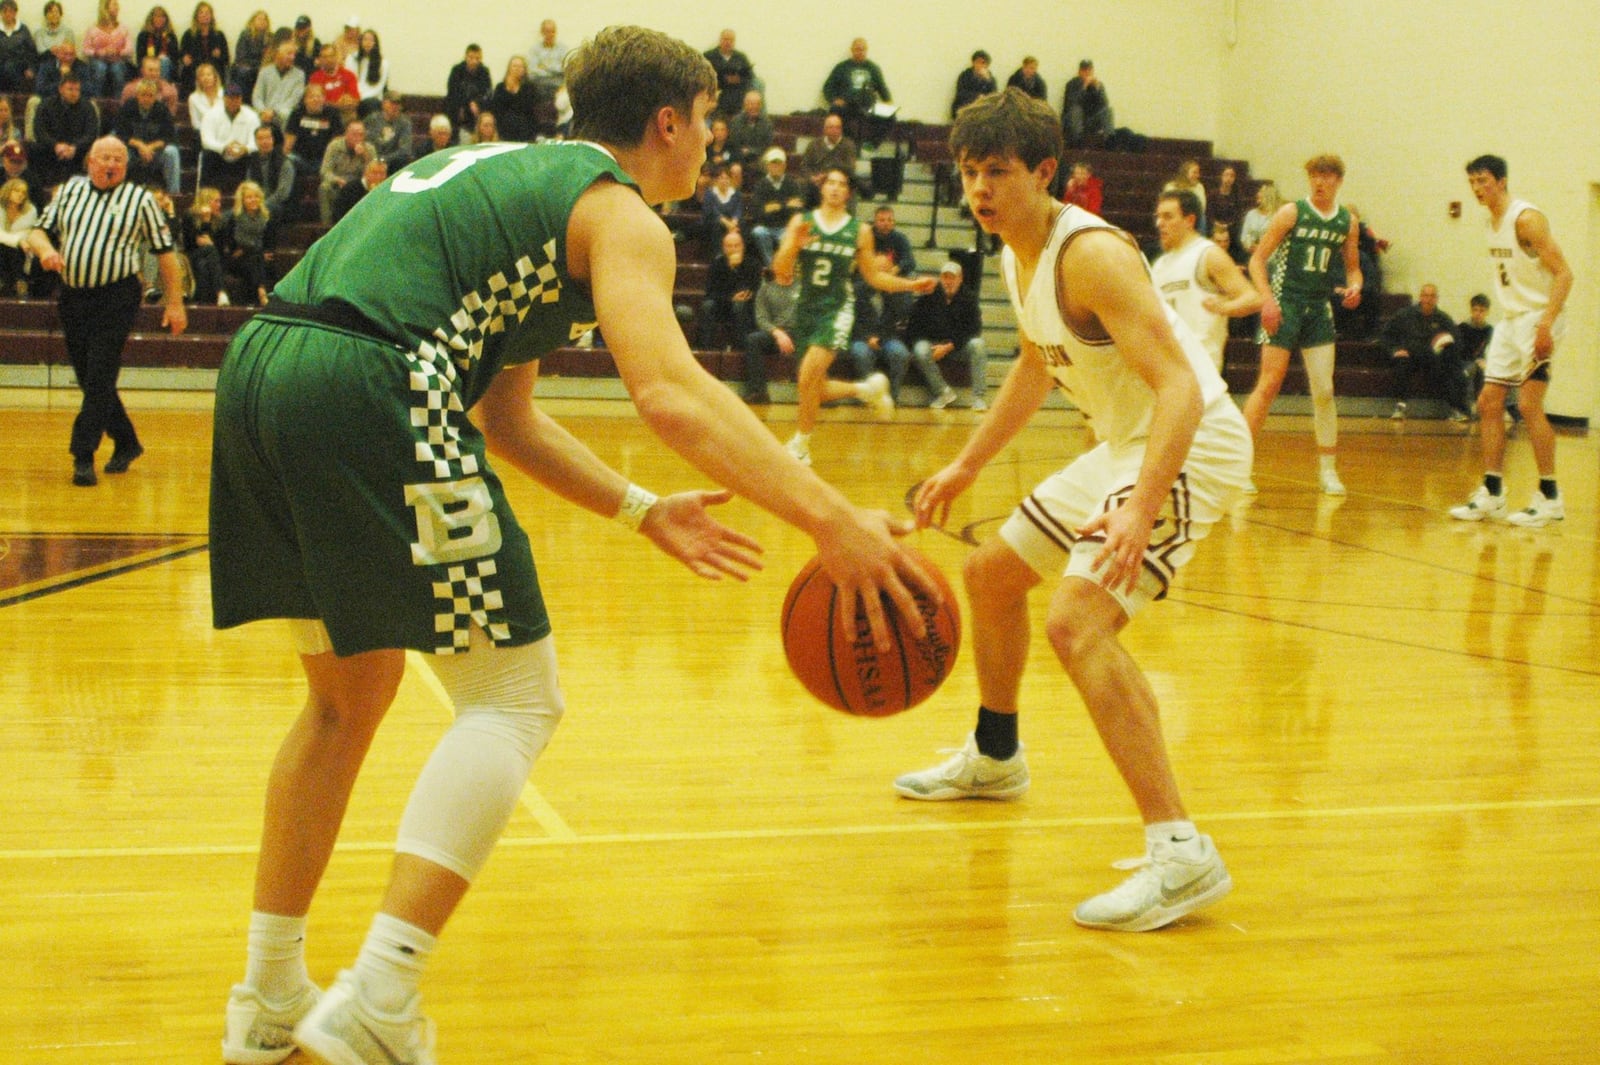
1084,189
338,82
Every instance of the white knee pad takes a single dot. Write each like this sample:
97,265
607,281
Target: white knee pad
507,703
1324,413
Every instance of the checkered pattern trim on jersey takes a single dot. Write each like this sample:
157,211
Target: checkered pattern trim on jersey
486,313
436,411
467,600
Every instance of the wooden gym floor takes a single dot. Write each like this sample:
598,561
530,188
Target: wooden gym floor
1387,720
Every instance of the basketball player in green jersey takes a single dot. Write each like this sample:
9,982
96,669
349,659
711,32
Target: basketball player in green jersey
352,495
822,247
1293,269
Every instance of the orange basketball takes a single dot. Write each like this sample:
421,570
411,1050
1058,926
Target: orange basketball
844,668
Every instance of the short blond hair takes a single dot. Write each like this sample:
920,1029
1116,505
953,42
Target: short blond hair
1325,164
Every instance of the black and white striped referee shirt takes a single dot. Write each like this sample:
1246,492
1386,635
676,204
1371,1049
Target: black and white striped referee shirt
102,233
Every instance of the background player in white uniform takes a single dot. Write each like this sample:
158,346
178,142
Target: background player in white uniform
1532,279
1196,278
1114,525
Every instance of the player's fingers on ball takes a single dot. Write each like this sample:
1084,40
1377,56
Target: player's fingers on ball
877,624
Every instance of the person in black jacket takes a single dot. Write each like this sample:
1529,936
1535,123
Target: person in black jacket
64,128
973,82
467,90
947,322
731,285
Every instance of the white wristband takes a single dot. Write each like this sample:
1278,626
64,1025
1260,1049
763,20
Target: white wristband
635,505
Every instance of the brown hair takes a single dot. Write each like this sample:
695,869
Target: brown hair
1325,164
1006,124
619,80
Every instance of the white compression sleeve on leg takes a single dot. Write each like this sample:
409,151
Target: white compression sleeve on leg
507,705
1324,414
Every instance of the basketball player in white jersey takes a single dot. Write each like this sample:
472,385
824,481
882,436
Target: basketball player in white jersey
1532,279
1108,531
1196,278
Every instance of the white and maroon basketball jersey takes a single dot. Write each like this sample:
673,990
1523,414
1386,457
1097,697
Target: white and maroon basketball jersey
1181,278
1100,383
1520,279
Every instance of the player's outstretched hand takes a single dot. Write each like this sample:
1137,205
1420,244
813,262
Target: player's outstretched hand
681,525
934,496
863,558
1127,535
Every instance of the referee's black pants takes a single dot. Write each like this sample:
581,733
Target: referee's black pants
96,323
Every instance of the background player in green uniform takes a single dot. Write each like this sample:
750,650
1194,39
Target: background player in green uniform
349,486
821,248
1293,269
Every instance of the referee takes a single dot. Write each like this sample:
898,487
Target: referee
103,223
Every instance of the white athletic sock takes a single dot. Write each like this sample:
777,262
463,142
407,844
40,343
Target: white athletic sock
1184,837
391,961
1327,463
275,959
802,438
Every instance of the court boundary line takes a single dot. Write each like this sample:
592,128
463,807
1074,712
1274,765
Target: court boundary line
104,571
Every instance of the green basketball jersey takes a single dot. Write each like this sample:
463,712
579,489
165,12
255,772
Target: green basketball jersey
493,289
1309,264
825,264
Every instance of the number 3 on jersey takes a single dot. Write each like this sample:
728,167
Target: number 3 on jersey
408,181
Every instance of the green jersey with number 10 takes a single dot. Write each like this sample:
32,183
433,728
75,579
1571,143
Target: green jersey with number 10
492,288
1309,264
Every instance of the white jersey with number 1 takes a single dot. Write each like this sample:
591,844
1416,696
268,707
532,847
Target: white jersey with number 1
1181,277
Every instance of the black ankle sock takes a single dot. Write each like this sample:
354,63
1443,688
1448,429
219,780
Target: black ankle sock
996,734
1491,481
1547,486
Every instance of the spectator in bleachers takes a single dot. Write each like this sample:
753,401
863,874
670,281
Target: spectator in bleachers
273,173
774,199
1187,179
773,335
736,75
1362,322
372,175
947,322
146,127
467,90
64,128
1225,205
204,226
1086,116
203,42
973,82
14,162
249,244
150,271
1421,340
1222,237
252,49
1028,80
52,35
372,73
896,257
166,92
831,151
337,83
719,152
515,103
228,139
547,60
721,208
107,48
875,344
344,162
17,217
19,58
47,80
310,128
306,45
727,315
750,132
854,89
348,43
390,131
441,133
1256,219
207,94
1083,188
487,131
1472,343
157,41
9,130
280,86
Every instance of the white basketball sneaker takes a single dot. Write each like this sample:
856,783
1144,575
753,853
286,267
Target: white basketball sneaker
968,774
800,449
258,1032
874,392
1539,512
1482,504
342,1029
1331,485
1175,879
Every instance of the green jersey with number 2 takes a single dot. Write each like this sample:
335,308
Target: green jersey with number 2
825,265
